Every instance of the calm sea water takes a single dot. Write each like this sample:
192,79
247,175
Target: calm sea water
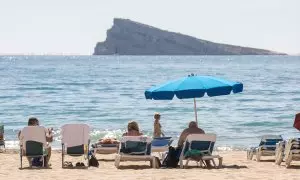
108,91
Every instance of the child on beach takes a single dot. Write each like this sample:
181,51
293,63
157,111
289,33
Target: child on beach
157,127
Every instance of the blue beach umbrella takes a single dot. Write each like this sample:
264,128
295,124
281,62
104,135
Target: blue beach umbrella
193,86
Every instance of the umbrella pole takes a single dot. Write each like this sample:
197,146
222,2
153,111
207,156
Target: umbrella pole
195,109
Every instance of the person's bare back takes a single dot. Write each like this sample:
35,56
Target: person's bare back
192,129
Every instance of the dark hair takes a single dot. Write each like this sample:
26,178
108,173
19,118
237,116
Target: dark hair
193,124
33,121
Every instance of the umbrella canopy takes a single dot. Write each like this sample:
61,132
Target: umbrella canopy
297,121
193,86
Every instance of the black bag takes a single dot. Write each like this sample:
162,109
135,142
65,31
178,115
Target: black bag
172,158
93,161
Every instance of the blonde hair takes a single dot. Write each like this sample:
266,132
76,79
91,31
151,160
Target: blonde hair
132,125
156,115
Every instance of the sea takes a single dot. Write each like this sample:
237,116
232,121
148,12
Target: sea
106,92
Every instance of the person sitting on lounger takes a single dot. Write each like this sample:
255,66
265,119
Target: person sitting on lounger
133,129
48,133
192,129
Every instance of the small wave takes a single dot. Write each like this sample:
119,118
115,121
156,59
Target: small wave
295,99
246,100
262,123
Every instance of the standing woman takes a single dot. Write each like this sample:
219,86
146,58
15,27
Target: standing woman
157,127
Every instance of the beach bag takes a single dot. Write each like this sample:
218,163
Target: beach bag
37,162
93,161
172,158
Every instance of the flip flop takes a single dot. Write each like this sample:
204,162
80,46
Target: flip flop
68,164
78,164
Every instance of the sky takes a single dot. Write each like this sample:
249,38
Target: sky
75,26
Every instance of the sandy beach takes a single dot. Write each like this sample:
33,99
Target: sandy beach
235,166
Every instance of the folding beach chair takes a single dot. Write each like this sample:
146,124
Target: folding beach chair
203,144
33,144
2,139
75,141
266,147
135,148
288,151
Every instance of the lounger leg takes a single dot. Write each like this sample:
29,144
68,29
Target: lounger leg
30,162
187,162
214,163
249,154
181,162
62,155
201,163
288,160
258,155
220,162
88,157
153,162
21,158
117,161
279,157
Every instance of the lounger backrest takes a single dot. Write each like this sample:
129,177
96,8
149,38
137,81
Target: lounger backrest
75,135
163,141
203,142
136,145
33,135
270,140
1,130
2,143
295,143
1,134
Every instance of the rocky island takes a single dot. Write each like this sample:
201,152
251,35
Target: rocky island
127,37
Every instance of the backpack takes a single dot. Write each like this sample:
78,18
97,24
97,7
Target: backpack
36,162
93,161
172,158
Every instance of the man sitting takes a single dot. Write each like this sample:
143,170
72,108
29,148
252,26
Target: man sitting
49,137
192,129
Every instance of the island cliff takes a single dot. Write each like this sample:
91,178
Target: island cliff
127,37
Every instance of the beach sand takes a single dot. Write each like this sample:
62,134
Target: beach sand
236,166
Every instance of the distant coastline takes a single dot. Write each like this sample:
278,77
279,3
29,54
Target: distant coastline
127,37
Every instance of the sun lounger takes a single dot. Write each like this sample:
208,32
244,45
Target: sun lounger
2,140
33,144
288,151
161,146
202,143
106,149
266,147
135,148
75,141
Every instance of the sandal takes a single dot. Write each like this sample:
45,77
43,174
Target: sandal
78,164
68,164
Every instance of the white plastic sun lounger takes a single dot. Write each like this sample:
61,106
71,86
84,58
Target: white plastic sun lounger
75,141
203,143
288,151
135,148
266,147
33,143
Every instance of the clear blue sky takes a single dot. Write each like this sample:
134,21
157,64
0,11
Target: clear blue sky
74,26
